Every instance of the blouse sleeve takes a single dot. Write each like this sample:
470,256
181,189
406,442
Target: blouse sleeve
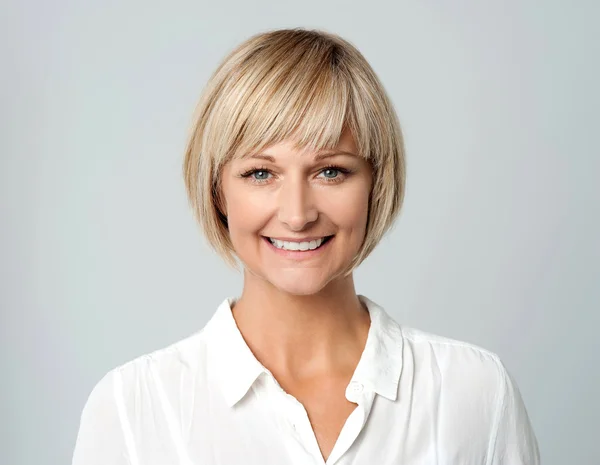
513,441
101,439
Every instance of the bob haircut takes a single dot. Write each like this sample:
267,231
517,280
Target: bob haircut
302,86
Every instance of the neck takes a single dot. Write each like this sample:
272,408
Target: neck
303,336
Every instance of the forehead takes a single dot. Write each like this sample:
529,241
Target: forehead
345,145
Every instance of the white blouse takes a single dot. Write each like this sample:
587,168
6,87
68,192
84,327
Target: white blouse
206,400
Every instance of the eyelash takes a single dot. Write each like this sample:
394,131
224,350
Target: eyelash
250,172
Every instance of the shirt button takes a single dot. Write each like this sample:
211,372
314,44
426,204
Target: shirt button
356,387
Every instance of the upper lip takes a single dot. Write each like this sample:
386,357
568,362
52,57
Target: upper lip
298,239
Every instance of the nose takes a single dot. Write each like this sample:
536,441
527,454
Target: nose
297,208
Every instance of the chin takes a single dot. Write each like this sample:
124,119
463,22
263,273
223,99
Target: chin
299,284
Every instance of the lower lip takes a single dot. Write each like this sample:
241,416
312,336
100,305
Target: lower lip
299,254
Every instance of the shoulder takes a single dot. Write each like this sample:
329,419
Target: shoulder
146,376
470,375
479,390
178,360
454,366
471,383
174,371
133,395
452,354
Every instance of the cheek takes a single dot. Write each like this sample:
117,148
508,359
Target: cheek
349,210
246,214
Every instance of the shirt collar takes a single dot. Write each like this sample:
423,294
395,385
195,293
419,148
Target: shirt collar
234,363
380,364
237,368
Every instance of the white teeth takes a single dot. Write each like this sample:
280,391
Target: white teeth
285,245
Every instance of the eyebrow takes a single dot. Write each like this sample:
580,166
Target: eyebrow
317,157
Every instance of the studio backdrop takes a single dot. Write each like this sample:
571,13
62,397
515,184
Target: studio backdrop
497,242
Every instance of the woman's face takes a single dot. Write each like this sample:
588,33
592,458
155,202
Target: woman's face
297,219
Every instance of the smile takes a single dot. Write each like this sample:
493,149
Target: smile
299,246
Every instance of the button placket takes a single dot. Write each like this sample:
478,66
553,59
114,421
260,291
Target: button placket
288,419
293,416
298,414
355,392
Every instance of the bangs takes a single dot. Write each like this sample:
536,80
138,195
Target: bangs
299,94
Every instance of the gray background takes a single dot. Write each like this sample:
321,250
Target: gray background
497,244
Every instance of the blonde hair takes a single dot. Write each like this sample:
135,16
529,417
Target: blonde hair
301,85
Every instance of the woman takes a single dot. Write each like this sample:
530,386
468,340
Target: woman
296,167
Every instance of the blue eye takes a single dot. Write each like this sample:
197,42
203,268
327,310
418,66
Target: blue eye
330,173
257,175
260,175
